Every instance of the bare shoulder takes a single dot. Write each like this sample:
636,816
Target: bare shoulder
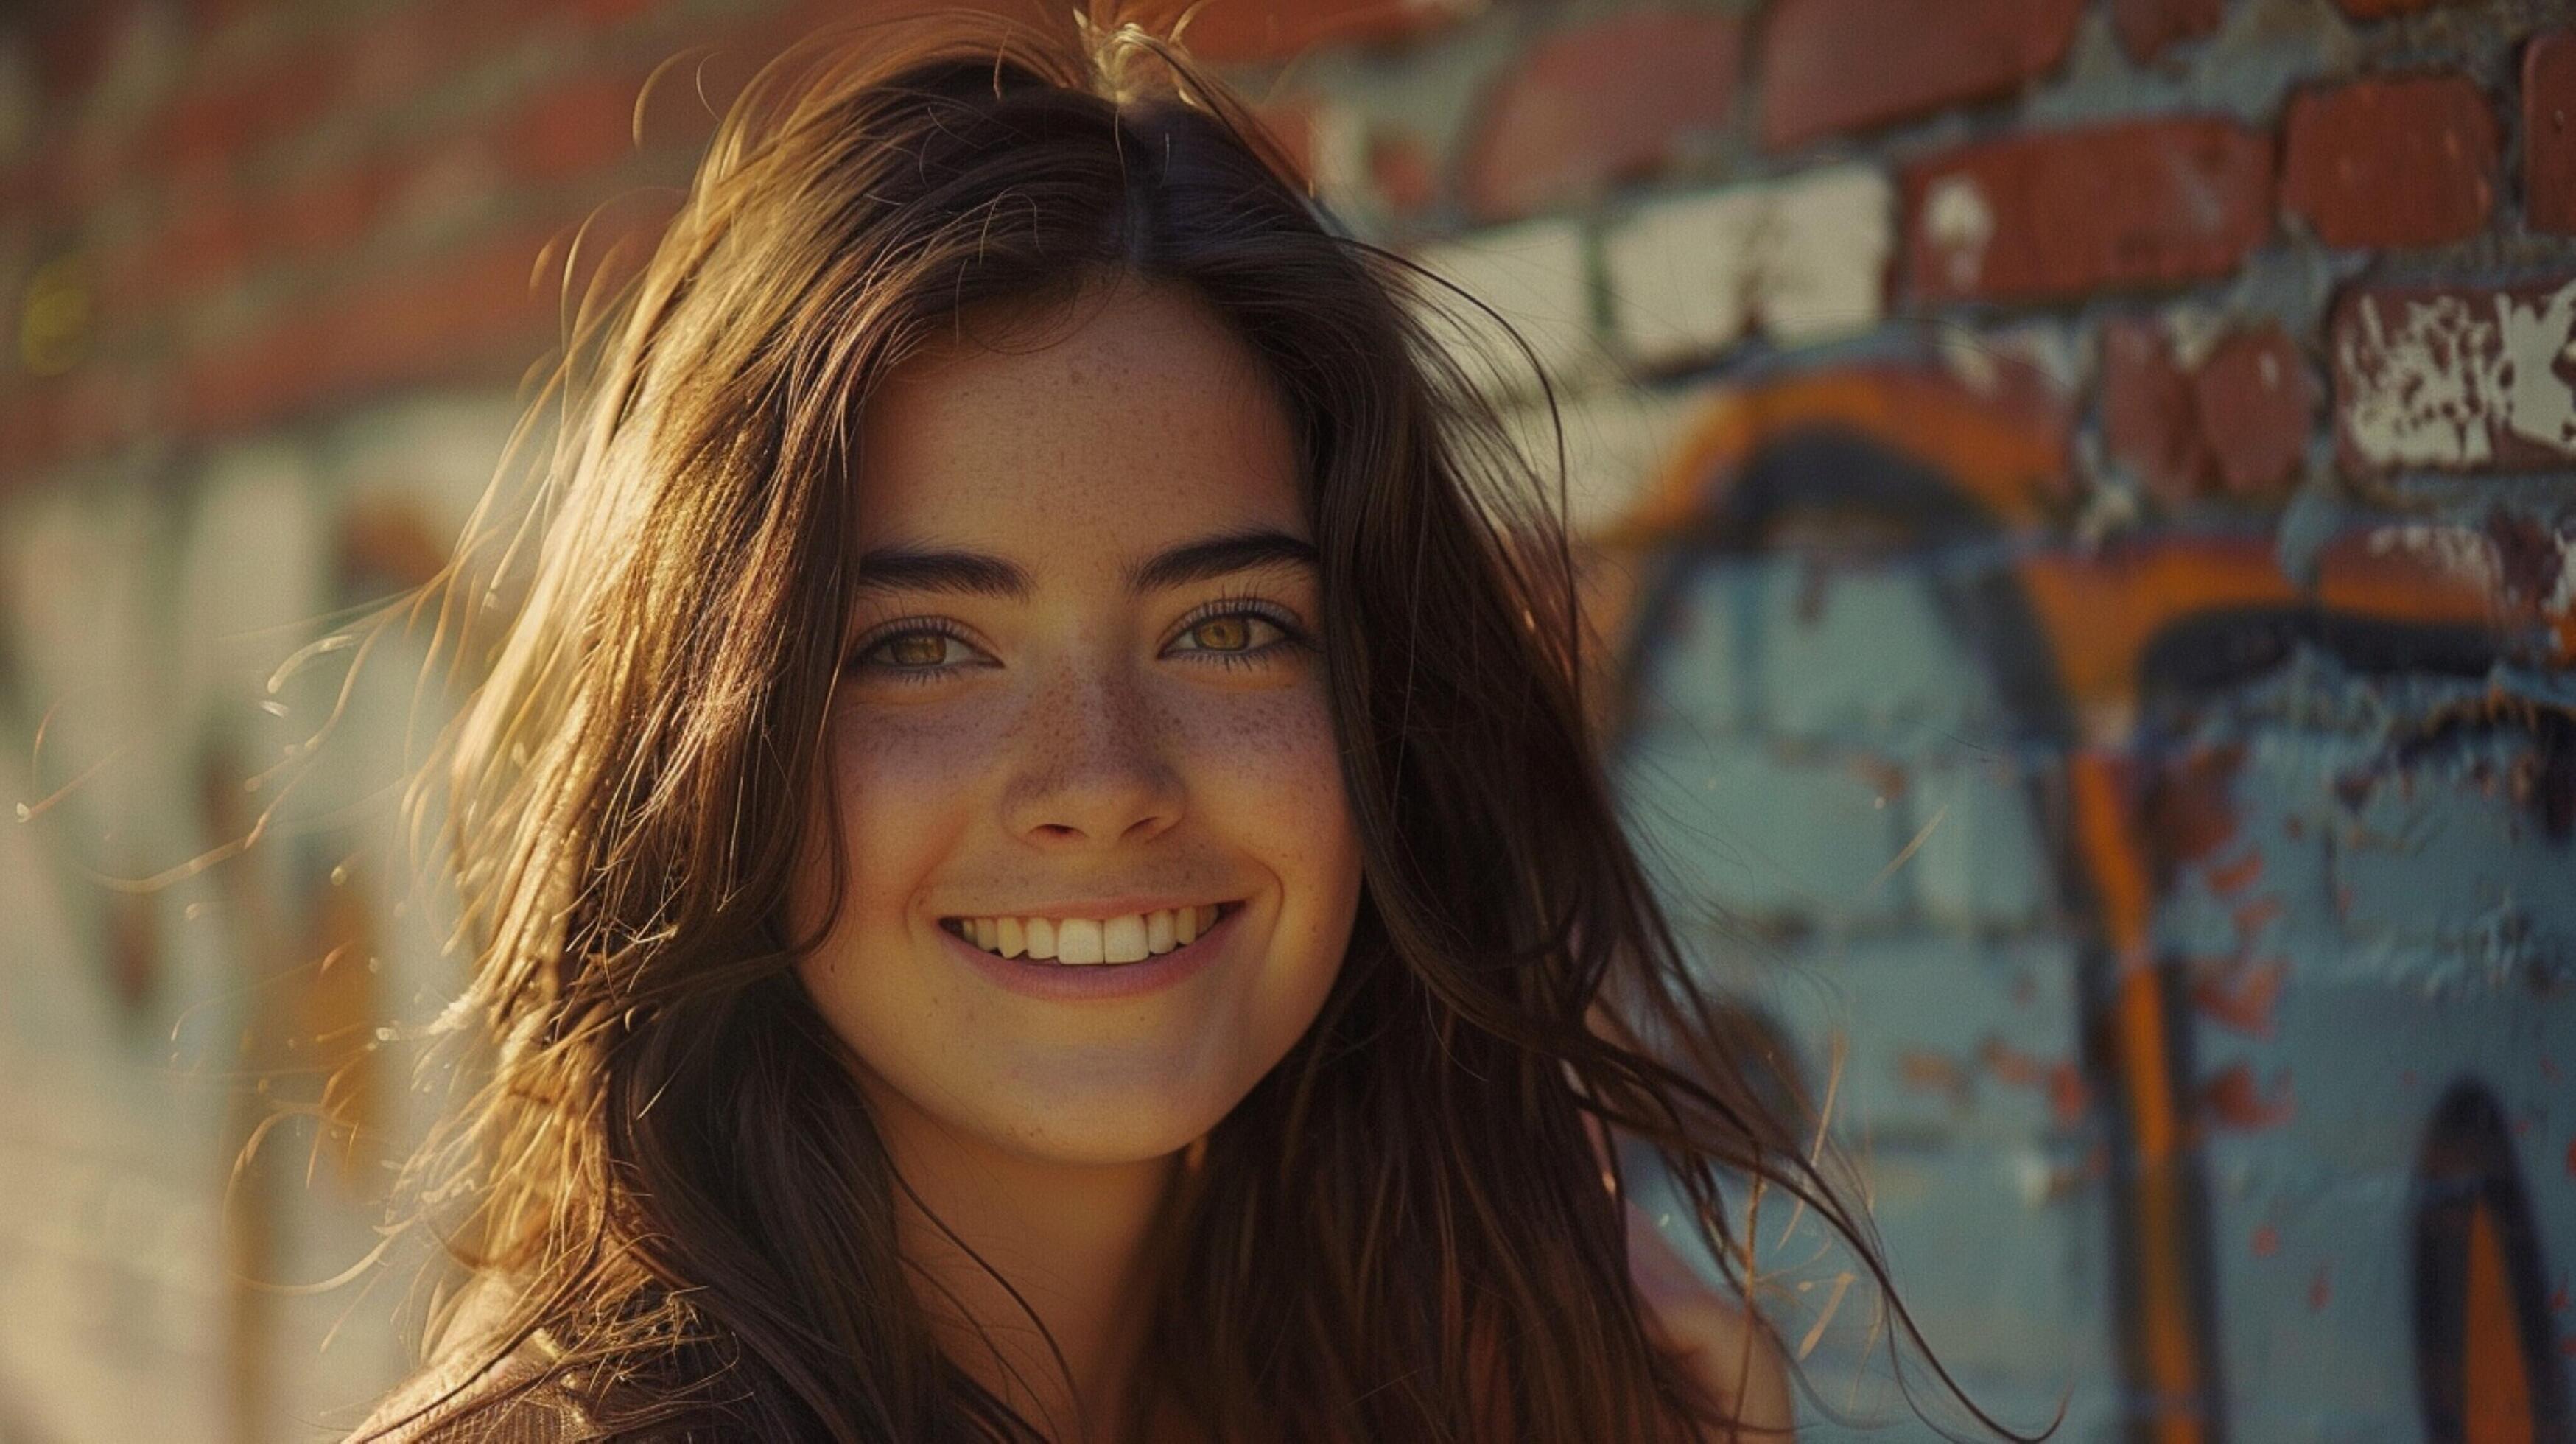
1731,1353
1736,1361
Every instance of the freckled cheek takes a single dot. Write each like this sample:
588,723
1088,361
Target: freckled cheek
905,786
1264,771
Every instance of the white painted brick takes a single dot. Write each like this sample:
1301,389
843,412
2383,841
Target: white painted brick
437,454
76,589
1804,258
258,553
1536,275
1822,261
2440,378
1681,274
81,597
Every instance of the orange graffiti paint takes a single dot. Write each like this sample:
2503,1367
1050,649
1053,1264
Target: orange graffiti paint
2008,457
2497,1409
2105,832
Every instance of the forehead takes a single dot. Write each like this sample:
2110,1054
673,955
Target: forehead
1137,415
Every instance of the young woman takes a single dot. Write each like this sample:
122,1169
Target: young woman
1036,863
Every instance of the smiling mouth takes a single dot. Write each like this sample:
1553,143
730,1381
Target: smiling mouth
1077,942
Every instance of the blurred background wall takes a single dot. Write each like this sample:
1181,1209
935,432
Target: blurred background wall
2079,498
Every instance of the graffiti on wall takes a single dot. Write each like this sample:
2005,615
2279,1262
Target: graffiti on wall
2115,663
209,884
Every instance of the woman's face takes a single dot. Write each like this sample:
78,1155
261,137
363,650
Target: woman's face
1080,691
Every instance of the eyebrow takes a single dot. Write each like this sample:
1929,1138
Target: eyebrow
899,568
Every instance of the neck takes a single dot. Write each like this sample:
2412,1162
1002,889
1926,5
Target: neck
1072,1239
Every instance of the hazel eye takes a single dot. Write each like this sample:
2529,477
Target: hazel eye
917,653
1229,636
1230,633
915,649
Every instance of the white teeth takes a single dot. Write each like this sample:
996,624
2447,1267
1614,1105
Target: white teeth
1081,941
1122,940
1077,940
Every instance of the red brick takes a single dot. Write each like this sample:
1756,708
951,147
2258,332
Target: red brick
224,234
437,41
475,316
351,67
583,125
1600,104
2146,27
1828,66
22,187
2241,417
2057,214
400,53
1245,32
206,247
332,212
2455,378
2148,420
251,385
71,48
804,16
2403,161
35,186
2549,132
604,13
208,18
2255,405
86,174
204,130
1403,173
375,66
207,132
427,325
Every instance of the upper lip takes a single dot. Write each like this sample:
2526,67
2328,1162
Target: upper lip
1099,909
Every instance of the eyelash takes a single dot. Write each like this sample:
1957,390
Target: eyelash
1227,606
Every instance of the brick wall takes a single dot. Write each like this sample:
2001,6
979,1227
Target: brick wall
275,272
2081,499
2090,584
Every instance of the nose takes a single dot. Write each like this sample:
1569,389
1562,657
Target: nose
1095,770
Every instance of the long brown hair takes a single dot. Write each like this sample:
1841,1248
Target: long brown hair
1403,1232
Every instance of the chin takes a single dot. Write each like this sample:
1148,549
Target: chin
1109,1127
1107,1148
1091,1083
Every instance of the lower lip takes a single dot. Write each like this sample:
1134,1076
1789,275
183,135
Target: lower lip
1073,982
